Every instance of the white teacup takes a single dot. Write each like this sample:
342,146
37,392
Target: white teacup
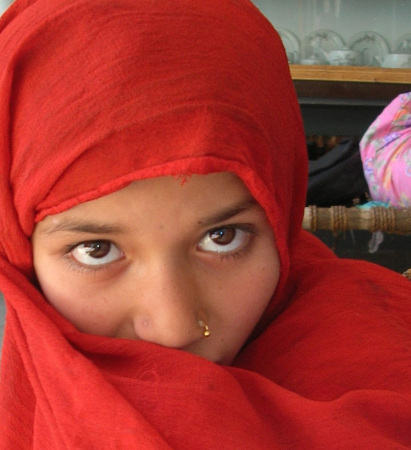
397,60
344,57
311,61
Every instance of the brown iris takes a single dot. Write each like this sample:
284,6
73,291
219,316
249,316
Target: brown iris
97,249
223,236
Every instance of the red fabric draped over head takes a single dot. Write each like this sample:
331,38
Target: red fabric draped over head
151,103
96,94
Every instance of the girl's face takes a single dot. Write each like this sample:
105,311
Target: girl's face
156,258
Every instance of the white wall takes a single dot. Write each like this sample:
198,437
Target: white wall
390,18
4,4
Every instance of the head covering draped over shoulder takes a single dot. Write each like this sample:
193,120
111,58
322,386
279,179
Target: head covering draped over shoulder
95,94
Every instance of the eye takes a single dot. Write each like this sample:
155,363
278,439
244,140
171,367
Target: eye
96,253
224,240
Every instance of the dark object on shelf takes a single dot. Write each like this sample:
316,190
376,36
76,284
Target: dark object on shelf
319,145
337,177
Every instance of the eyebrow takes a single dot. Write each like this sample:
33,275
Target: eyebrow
229,212
81,226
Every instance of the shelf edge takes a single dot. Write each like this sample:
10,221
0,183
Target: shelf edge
350,74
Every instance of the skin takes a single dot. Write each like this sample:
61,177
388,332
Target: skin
155,258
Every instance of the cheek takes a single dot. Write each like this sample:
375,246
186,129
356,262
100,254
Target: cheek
258,287
82,305
261,280
249,292
243,302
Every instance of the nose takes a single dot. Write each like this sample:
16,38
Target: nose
170,310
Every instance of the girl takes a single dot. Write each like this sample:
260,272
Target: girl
160,292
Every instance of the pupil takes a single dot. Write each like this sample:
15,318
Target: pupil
223,236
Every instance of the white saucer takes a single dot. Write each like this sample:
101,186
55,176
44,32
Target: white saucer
403,44
370,44
326,39
290,42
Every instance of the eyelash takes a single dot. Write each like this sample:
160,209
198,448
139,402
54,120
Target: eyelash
222,256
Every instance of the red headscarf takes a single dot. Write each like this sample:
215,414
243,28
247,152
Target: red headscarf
95,94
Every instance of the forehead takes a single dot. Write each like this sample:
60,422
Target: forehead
200,197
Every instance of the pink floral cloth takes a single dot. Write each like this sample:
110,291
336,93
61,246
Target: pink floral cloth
386,153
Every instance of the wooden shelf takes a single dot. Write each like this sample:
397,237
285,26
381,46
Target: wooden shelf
344,100
350,74
372,84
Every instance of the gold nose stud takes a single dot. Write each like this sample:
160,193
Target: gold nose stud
206,331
